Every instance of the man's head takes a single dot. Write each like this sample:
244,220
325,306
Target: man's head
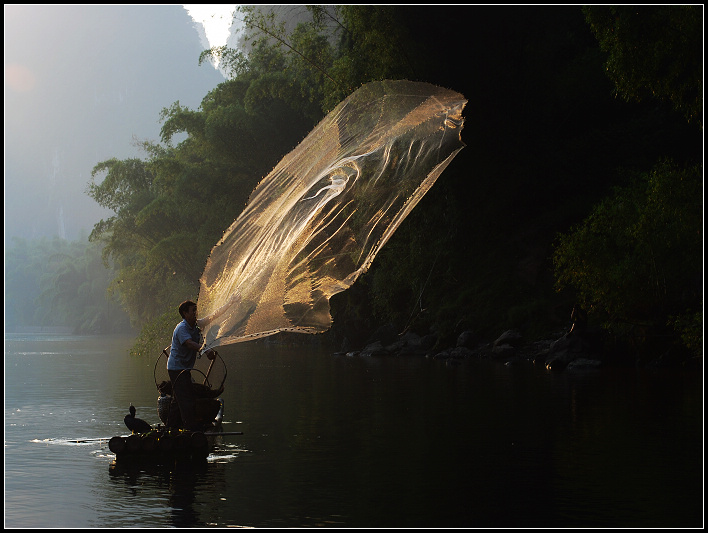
186,308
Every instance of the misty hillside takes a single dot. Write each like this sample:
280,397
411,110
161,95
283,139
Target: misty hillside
81,82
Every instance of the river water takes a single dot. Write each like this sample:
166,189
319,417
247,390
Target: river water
337,441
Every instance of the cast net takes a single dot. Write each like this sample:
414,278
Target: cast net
316,222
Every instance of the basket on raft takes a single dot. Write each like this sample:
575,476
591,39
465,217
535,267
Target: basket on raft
208,377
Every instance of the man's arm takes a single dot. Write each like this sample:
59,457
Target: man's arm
189,343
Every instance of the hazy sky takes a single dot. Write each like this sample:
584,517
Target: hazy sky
81,82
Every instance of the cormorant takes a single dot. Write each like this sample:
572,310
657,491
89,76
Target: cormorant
135,424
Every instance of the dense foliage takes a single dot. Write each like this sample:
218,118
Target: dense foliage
60,283
549,149
646,53
635,262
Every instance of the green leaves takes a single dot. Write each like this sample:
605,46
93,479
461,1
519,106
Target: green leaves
177,119
637,258
124,179
653,51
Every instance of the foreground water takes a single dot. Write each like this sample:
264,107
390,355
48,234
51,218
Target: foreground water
354,442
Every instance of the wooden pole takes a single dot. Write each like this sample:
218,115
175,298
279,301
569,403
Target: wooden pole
206,378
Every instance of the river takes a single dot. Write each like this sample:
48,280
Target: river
339,441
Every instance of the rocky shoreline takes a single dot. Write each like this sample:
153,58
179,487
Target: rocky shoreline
562,351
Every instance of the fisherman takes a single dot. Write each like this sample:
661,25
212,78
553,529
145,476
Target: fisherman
186,340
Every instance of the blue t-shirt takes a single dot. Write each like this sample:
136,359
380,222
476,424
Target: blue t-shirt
181,357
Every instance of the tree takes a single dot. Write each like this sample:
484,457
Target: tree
60,283
131,236
545,138
636,260
653,51
172,207
328,53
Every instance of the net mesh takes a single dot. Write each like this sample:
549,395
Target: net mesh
316,222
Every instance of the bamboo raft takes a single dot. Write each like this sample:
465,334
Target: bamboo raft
172,442
161,441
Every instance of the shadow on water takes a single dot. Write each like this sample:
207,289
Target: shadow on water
179,481
189,490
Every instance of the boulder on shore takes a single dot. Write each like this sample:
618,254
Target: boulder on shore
571,350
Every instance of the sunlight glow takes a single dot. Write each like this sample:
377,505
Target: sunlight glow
216,19
19,78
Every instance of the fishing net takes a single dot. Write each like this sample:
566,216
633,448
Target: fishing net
316,222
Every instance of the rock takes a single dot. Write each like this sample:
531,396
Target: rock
411,344
412,350
562,344
511,337
461,352
455,353
482,351
427,342
467,339
503,350
557,362
571,351
411,339
583,363
385,334
374,349
535,351
396,347
568,345
540,358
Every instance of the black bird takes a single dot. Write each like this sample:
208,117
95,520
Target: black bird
135,424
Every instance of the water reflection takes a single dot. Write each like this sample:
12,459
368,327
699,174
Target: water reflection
356,442
178,481
179,492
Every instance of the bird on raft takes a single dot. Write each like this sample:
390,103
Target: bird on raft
136,425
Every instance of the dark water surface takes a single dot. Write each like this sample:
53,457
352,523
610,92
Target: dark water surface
354,442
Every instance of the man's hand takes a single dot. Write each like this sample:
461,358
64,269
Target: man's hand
211,354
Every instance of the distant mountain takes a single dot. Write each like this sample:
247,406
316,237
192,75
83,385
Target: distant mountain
81,83
203,39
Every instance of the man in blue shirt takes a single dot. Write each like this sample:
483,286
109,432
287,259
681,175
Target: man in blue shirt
186,342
